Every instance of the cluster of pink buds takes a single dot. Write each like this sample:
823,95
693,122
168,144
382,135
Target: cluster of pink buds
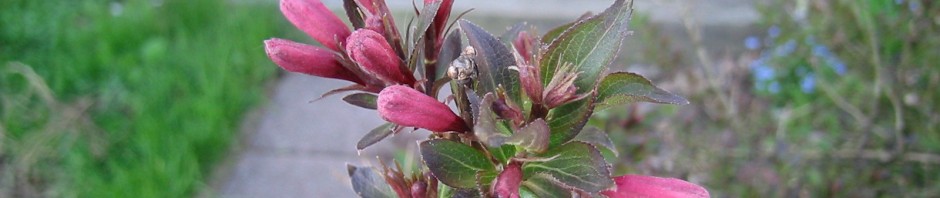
371,56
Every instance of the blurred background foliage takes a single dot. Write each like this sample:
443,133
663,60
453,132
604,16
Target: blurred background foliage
142,98
134,98
831,98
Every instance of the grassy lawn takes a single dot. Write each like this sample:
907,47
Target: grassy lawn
133,99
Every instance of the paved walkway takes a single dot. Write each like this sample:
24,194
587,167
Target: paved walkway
296,148
300,148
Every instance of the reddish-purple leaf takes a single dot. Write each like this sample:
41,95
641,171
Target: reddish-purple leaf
367,183
353,13
492,60
376,135
485,127
364,100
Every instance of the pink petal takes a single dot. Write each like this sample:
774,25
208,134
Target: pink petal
531,81
312,17
523,44
419,189
374,23
508,181
369,5
649,186
307,59
407,107
375,55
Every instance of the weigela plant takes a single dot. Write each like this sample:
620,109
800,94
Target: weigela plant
522,100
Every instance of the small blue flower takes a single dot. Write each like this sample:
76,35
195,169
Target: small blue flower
761,71
774,87
786,48
752,42
773,31
823,52
839,67
808,84
913,6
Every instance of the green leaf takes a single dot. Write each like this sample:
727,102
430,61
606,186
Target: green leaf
596,137
526,193
591,45
567,120
493,60
543,186
367,183
625,88
444,191
375,135
364,100
533,137
503,153
553,34
456,164
576,165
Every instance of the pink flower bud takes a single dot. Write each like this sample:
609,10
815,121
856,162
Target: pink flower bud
561,89
374,23
312,17
307,59
531,82
524,44
369,6
649,186
530,77
373,53
507,111
407,107
508,181
373,18
419,189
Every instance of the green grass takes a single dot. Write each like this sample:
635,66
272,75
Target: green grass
168,85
